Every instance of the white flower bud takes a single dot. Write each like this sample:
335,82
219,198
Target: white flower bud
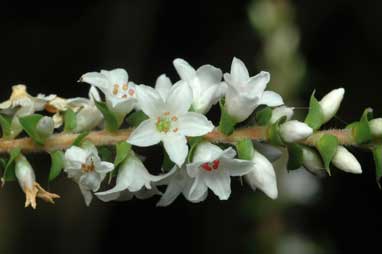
88,118
331,102
294,130
24,173
346,161
280,112
45,126
313,162
262,176
376,127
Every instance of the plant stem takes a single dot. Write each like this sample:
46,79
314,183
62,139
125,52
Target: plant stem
63,141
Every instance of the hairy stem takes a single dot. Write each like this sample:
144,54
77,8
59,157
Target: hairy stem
63,140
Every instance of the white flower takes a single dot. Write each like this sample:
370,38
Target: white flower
85,167
262,175
346,161
271,152
292,131
178,183
212,168
313,162
245,93
132,176
169,121
119,92
205,83
126,195
331,102
376,127
279,112
27,180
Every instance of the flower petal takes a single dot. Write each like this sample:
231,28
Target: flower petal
172,192
87,194
184,69
179,99
91,180
149,101
257,84
271,99
176,147
117,76
163,86
209,75
96,79
206,152
198,190
239,72
236,167
145,134
104,167
219,182
194,124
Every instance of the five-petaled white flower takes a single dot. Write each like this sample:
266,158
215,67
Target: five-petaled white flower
169,121
132,177
85,167
205,83
212,168
178,183
119,92
245,93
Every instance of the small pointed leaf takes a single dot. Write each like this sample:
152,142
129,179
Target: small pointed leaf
295,156
111,120
29,124
327,147
57,164
315,117
69,120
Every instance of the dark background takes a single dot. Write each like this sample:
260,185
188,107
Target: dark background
49,46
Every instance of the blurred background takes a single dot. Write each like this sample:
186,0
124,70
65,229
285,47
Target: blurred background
306,45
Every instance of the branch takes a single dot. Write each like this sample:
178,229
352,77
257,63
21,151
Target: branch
99,138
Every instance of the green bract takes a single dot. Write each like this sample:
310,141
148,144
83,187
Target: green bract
273,133
69,120
295,156
57,164
327,147
135,118
226,123
6,126
29,124
263,116
361,130
315,117
111,120
9,171
245,149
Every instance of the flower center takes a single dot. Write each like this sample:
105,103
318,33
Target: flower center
208,166
86,168
165,123
123,91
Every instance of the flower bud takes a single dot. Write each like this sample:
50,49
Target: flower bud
24,173
331,102
88,118
376,127
346,161
280,112
262,176
45,126
294,130
313,162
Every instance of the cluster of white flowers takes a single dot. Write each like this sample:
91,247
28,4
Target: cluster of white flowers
174,114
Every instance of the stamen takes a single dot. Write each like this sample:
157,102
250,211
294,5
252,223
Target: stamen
125,87
131,92
116,88
175,130
174,118
215,164
206,166
124,96
86,168
166,113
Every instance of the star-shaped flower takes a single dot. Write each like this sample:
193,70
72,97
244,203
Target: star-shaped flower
212,168
133,177
85,167
245,93
119,92
205,83
169,121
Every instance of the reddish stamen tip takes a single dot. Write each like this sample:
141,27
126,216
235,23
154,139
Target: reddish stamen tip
206,167
215,164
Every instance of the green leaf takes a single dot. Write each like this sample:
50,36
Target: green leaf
245,149
6,126
377,154
226,123
69,120
327,147
80,138
57,164
135,118
193,142
274,136
9,172
263,116
361,130
123,149
29,124
315,117
111,120
105,153
295,156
